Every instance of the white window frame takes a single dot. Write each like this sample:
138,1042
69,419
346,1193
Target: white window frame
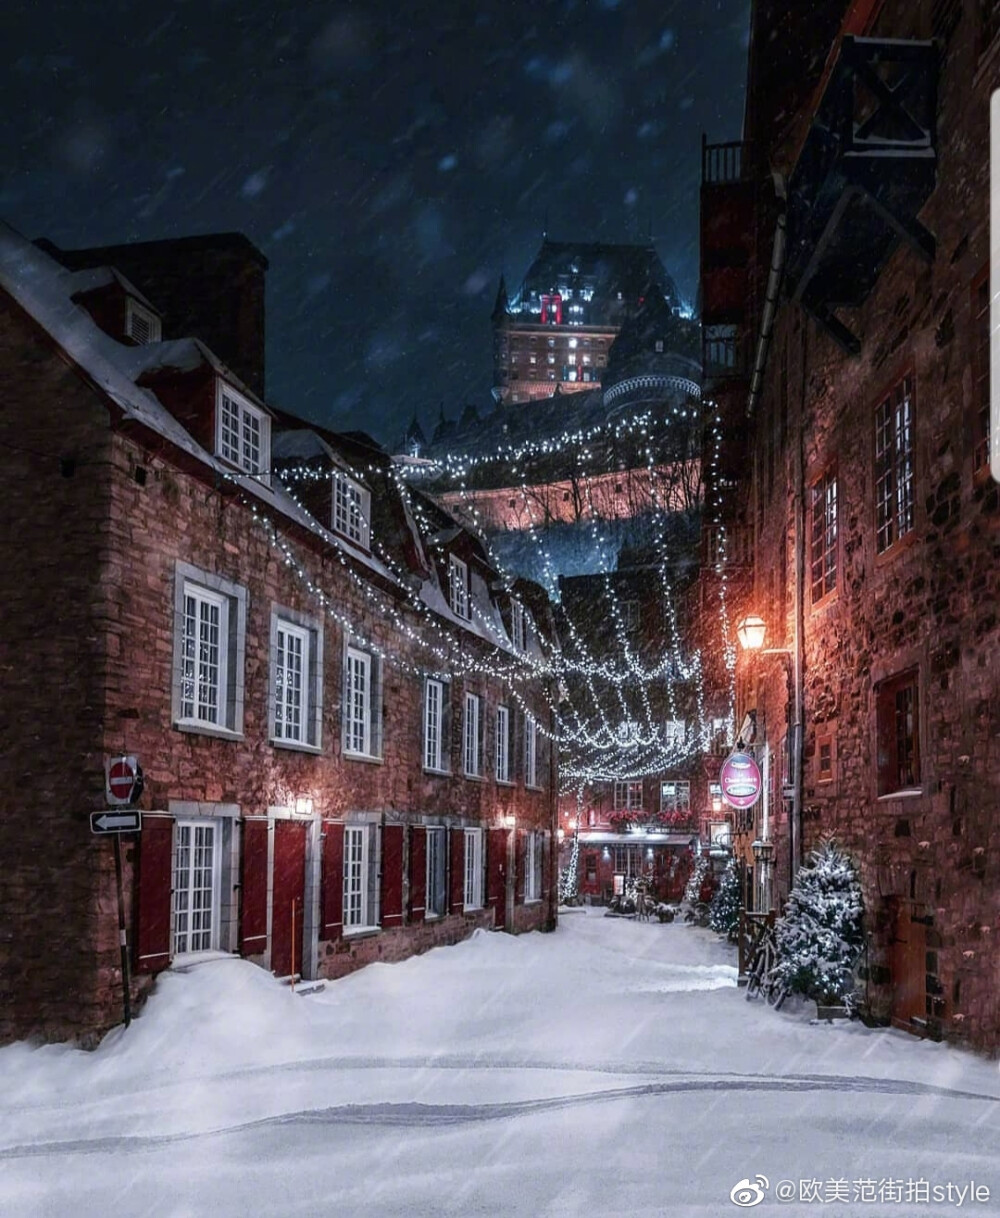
435,694
182,892
503,722
134,311
235,447
472,888
458,587
437,869
674,733
533,863
291,703
472,724
628,795
530,751
362,704
309,633
678,800
351,508
518,626
208,592
362,878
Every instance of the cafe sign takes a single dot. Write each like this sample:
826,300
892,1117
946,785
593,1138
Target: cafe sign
740,780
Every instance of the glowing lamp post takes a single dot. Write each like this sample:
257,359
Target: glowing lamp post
750,631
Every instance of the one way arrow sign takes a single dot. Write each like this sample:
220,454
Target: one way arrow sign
115,821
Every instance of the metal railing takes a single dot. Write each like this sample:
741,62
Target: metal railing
721,163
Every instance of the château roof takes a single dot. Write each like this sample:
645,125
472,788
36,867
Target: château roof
596,272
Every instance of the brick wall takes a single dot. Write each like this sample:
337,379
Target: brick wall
88,657
928,603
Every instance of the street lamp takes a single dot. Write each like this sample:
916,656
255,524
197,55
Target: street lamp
751,630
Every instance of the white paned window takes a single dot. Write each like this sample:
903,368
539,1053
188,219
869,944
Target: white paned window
518,626
352,510
291,683
437,896
361,877
195,888
458,578
628,796
472,725
141,324
530,751
675,797
503,744
472,895
243,431
362,703
674,733
533,867
204,658
435,694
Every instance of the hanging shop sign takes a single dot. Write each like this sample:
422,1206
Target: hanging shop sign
740,780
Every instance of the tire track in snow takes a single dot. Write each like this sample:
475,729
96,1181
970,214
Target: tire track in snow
418,1115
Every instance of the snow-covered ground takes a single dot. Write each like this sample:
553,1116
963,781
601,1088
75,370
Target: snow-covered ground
610,1068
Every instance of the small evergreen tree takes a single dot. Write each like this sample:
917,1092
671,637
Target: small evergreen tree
724,912
821,933
569,880
692,892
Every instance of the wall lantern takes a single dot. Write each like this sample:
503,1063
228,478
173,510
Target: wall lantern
303,805
509,821
750,631
560,833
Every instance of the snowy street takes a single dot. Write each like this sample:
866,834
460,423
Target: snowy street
610,1068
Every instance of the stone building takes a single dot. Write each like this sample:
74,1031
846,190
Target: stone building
558,327
846,295
343,722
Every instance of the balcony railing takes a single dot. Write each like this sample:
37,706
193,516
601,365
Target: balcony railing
721,163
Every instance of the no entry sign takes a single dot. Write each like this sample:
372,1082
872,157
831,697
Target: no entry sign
122,779
740,780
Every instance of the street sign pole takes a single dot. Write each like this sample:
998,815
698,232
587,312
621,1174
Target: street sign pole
122,937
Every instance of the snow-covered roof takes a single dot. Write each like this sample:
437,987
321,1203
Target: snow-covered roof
44,289
304,444
94,277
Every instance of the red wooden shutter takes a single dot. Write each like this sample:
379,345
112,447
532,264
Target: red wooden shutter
520,840
496,886
418,873
152,940
253,889
457,885
392,875
546,853
333,880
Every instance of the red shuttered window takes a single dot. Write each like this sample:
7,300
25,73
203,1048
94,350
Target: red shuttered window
152,951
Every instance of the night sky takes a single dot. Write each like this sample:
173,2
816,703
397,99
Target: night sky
389,159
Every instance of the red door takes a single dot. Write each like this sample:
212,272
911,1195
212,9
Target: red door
907,965
288,896
496,886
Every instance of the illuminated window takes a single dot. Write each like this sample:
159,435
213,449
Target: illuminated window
894,466
675,797
628,796
823,536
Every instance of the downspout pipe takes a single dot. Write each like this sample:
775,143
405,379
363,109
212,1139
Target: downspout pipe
771,294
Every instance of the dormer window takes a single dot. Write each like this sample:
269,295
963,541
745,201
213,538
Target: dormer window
458,580
518,626
352,506
142,325
242,431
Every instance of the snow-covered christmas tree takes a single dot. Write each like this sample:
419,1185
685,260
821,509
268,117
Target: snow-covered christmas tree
724,912
569,879
692,893
821,933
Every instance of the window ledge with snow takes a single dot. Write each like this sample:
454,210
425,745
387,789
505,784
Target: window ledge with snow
905,793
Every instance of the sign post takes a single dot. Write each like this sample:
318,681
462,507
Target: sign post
123,786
